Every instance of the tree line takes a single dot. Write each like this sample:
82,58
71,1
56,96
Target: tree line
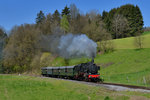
22,50
120,22
124,21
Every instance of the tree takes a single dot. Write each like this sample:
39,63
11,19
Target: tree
64,24
138,41
75,19
3,37
66,11
131,13
139,20
40,17
74,11
106,45
120,26
104,14
134,17
106,19
92,14
146,29
46,25
21,48
77,25
56,17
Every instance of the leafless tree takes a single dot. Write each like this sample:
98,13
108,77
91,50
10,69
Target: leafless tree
106,44
93,14
138,41
119,25
74,11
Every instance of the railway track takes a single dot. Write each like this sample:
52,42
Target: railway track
112,86
117,86
128,86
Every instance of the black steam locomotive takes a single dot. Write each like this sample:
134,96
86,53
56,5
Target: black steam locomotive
84,71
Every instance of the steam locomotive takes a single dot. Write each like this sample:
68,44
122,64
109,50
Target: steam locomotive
84,72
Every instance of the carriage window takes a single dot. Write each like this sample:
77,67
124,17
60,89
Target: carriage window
66,70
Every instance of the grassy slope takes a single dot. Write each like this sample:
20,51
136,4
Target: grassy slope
127,65
124,65
32,88
128,43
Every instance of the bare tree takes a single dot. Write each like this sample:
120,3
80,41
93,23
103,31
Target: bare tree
119,25
74,11
93,14
146,29
106,44
96,31
138,41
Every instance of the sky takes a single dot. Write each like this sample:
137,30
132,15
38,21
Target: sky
17,12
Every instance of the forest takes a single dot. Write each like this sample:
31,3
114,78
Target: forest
21,49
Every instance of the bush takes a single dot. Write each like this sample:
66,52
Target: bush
107,98
105,46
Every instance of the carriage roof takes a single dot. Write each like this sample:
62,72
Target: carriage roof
63,67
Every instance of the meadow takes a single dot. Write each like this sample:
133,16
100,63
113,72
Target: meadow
126,64
128,43
14,87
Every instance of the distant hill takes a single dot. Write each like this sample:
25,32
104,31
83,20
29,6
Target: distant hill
128,43
124,65
128,66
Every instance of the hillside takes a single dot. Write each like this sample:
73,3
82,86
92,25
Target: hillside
128,43
13,87
128,66
124,65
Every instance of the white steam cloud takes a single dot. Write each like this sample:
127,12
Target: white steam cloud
70,45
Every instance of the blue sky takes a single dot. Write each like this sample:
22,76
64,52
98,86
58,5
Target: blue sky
17,12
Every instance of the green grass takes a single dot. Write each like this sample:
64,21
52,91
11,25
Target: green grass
126,66
128,43
14,87
146,32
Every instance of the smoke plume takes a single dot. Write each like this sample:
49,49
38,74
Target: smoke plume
70,45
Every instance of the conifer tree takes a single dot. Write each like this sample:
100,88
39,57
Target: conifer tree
56,16
139,20
64,24
40,17
66,11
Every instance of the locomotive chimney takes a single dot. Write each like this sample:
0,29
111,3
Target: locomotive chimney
92,60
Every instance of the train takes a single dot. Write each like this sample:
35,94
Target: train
83,72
